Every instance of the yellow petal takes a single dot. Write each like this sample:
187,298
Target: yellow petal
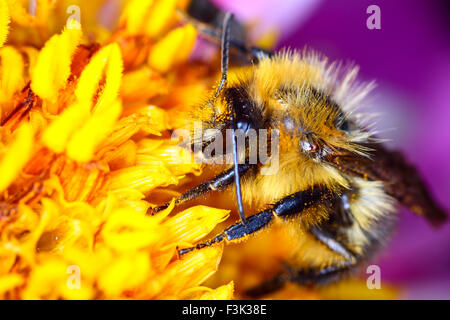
224,292
173,49
84,142
194,223
58,133
148,146
160,17
142,84
135,14
141,178
154,120
127,229
113,79
125,128
20,15
46,280
121,157
106,63
53,64
32,56
9,282
190,34
4,21
17,155
125,273
11,72
176,158
188,272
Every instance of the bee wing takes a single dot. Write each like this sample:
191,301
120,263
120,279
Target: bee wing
402,180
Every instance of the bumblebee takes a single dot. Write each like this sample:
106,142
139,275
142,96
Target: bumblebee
337,187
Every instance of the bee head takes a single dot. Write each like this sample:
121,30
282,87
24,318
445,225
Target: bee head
318,125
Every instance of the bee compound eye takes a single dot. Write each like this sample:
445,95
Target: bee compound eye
308,146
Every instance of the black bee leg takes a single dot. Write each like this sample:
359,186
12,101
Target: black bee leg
312,277
333,244
332,272
237,231
317,277
287,207
219,182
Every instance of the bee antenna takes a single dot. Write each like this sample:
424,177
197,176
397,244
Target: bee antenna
225,45
237,179
225,57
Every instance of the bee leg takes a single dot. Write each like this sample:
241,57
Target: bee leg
333,244
309,278
312,277
219,182
293,204
237,231
322,276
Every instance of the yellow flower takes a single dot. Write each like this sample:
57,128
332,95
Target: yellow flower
84,145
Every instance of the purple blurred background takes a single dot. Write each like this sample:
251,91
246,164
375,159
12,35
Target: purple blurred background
409,57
